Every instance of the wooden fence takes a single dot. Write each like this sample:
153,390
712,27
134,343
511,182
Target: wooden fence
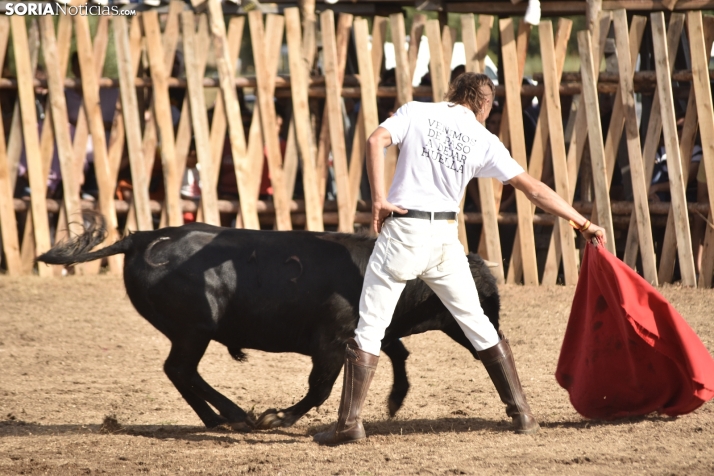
142,131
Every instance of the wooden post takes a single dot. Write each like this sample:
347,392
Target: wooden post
402,71
334,115
439,76
592,111
8,222
248,204
515,269
344,27
266,85
219,125
686,144
617,122
705,112
578,140
557,145
370,118
162,115
90,93
639,186
518,149
674,161
490,236
199,118
301,119
61,128
26,95
130,112
416,32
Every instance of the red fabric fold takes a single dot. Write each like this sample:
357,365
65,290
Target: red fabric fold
626,350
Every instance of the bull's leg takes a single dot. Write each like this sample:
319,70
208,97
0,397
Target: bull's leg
325,370
398,354
454,331
182,369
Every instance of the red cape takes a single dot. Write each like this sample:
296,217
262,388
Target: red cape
626,350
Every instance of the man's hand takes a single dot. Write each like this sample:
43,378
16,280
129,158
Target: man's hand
595,234
380,211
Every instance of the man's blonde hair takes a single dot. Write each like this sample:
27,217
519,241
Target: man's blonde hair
466,90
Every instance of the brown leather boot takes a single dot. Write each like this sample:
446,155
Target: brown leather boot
501,367
359,370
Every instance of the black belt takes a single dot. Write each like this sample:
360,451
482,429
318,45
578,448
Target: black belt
425,215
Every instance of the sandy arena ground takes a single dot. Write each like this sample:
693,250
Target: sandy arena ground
73,351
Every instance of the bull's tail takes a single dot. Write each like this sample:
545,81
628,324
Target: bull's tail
78,248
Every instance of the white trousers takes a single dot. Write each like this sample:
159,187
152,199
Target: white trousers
409,248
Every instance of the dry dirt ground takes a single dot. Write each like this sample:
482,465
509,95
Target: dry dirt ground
73,351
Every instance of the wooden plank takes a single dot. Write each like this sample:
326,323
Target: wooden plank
515,272
674,160
512,80
557,145
437,68
686,144
379,36
705,112
367,118
8,221
26,95
592,111
578,140
256,149
334,116
637,172
15,140
490,237
402,71
344,28
47,138
448,38
170,38
248,204
81,133
265,77
535,166
219,125
93,110
169,41
127,67
482,39
162,115
415,34
58,106
617,121
649,151
370,117
199,117
183,131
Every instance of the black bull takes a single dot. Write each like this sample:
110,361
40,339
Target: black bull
271,291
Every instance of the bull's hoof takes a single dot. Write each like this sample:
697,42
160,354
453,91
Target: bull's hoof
271,418
241,426
393,406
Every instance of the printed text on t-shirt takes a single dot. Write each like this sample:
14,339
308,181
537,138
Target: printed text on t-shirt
446,146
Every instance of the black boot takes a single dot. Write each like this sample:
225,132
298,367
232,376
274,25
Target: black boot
359,370
501,367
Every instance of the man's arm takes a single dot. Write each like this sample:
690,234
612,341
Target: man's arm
381,208
545,198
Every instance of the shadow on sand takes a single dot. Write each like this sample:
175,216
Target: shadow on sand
19,428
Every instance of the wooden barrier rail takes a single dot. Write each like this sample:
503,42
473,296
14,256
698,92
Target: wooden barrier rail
151,127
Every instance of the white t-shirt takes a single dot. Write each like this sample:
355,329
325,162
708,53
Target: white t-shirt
443,147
